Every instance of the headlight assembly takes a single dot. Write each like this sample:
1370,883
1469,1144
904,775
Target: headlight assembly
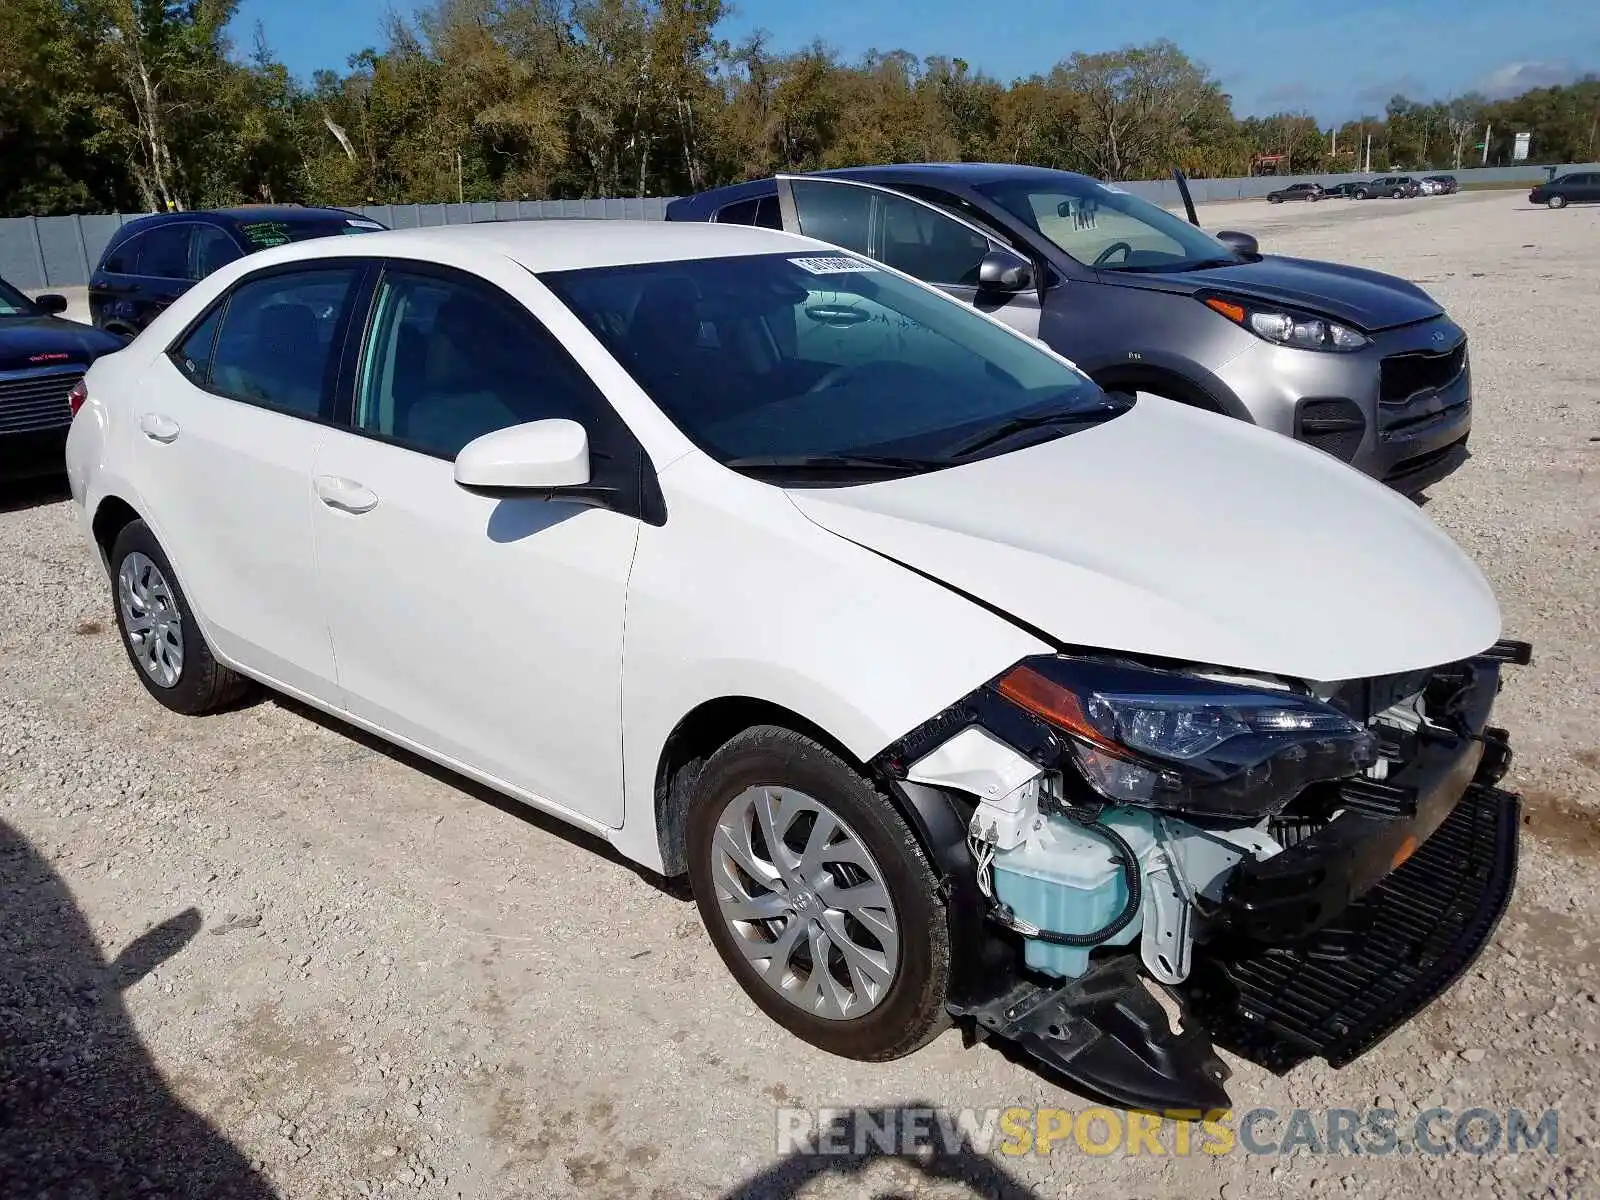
1169,740
1285,327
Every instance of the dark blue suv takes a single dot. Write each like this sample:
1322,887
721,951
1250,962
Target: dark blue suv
150,262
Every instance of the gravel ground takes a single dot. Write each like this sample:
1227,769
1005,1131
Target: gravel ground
258,954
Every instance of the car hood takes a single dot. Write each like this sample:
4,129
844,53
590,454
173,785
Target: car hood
1369,300
48,341
1181,534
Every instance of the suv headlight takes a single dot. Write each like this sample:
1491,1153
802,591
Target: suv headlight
1285,327
1164,739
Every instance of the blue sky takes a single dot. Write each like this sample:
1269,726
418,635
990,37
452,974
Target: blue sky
1334,60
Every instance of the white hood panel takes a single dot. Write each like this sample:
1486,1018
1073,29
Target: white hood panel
1178,533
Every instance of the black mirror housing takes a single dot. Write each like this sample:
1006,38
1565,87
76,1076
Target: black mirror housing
1003,271
1240,243
52,302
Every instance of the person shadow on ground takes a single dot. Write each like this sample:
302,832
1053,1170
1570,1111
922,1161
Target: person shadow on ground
84,1113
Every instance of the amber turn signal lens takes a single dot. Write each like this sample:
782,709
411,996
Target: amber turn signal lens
1234,312
1028,689
1407,849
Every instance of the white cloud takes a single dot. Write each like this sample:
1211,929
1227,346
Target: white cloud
1516,77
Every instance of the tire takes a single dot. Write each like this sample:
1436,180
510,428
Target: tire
1557,202
907,1009
1397,194
180,672
1363,195
1274,199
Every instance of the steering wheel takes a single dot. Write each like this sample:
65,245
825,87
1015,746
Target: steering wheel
833,376
1105,255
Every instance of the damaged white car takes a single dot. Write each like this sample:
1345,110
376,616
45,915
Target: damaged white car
962,690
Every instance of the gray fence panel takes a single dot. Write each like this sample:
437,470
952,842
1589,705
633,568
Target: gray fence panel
46,252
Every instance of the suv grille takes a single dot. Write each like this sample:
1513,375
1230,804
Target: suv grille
36,402
1402,376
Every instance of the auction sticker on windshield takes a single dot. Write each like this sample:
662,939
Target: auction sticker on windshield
831,264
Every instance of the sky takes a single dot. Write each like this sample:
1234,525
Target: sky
1336,60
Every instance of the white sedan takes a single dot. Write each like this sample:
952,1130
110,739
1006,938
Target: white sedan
959,688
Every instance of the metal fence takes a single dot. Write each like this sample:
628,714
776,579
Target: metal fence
45,252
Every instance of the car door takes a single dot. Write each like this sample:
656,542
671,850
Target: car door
161,272
226,425
485,630
911,235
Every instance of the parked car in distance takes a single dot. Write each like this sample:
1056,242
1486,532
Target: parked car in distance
919,736
150,262
1343,191
1575,187
1446,185
1396,187
42,359
1363,365
1296,191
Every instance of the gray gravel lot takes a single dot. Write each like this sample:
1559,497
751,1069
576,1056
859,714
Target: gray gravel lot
258,954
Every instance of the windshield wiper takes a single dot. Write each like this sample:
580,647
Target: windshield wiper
1078,416
885,463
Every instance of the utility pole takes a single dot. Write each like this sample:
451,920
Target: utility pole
461,194
1333,149
1487,130
1367,170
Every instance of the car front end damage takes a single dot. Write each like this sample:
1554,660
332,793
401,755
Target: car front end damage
1143,863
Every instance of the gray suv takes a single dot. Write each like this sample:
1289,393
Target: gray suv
1363,365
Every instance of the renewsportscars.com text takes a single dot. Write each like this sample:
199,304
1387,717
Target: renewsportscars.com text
1106,1131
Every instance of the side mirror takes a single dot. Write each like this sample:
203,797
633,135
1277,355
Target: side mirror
1240,243
52,303
537,456
1003,271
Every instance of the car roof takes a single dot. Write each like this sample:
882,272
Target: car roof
556,245
285,213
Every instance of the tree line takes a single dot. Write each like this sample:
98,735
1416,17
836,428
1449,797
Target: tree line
123,105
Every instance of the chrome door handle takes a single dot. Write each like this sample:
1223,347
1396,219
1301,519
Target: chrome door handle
158,427
345,494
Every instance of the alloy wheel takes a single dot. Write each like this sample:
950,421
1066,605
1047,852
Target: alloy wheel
151,617
806,902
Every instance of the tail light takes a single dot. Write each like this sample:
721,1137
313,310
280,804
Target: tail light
77,396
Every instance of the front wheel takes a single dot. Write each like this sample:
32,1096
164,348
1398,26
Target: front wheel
1557,202
1397,194
818,897
1274,199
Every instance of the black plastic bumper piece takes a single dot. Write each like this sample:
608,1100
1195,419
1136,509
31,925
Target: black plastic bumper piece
1110,1039
1339,992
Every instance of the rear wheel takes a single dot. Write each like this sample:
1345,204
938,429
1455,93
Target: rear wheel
159,632
1557,202
818,897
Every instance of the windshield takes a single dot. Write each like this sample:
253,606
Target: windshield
262,234
1107,228
13,303
819,355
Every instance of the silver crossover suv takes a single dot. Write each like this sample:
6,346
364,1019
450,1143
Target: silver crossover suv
1363,365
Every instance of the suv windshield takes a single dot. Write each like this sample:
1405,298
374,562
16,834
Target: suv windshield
262,234
1107,228
817,362
13,303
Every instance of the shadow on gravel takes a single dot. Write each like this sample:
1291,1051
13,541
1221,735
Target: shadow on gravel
678,889
33,493
83,1110
940,1160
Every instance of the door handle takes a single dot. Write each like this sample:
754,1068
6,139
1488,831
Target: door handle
158,427
345,494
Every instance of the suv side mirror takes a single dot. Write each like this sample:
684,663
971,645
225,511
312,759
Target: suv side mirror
1003,271
1240,243
52,302
536,456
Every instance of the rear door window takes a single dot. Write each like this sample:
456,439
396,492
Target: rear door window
279,341
164,252
213,249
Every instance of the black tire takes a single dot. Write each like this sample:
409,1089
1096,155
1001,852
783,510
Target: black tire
1557,202
1274,199
203,684
912,1011
1397,194
1363,195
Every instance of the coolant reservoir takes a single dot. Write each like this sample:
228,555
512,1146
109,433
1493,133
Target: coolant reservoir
1067,879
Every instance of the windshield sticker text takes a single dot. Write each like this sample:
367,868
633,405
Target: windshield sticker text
831,264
